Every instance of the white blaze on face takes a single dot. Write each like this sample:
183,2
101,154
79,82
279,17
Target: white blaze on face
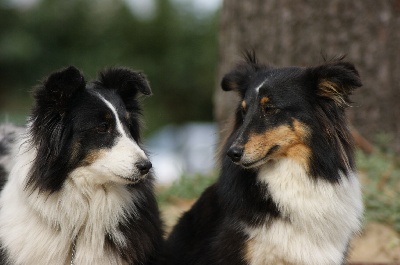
116,164
260,85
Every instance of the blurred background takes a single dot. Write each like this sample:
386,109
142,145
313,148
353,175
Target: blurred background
185,47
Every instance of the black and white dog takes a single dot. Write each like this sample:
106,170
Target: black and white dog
81,188
288,192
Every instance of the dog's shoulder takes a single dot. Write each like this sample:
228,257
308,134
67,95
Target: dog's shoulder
190,238
200,219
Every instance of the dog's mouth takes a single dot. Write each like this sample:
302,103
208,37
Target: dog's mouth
139,173
255,163
259,162
134,179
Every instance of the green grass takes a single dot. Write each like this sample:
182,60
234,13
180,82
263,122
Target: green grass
380,173
187,187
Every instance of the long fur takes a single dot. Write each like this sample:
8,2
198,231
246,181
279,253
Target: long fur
288,191
9,133
81,189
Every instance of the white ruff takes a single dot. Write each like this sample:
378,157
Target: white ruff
321,218
40,228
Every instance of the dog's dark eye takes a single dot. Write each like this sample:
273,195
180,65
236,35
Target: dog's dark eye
103,127
268,109
243,110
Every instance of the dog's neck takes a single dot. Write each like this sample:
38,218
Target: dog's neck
314,214
300,196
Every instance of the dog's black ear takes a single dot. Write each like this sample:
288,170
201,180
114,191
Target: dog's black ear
232,81
127,82
57,90
336,81
47,130
237,79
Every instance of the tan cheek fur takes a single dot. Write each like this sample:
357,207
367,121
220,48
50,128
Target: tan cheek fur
92,156
291,142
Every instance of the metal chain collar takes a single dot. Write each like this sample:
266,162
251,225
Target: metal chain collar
73,252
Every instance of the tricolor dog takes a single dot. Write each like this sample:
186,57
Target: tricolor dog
288,192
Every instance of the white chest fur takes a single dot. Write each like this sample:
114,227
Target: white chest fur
38,228
319,218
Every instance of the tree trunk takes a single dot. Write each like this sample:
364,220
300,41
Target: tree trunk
286,32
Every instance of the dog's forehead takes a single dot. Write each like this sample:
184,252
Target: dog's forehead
260,86
103,94
273,83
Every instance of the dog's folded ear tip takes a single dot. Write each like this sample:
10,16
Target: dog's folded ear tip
127,82
143,84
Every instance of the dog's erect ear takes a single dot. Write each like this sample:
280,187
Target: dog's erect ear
233,81
237,79
47,130
127,82
336,81
57,90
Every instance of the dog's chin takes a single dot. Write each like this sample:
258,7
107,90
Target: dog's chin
256,163
131,180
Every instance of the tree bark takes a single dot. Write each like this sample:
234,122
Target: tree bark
285,32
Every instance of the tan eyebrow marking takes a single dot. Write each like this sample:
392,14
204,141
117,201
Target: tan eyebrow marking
244,104
264,100
108,116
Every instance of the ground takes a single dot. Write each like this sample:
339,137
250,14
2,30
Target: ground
377,243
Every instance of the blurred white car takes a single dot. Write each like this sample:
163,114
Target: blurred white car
188,149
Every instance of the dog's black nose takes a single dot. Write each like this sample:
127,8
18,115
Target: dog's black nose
235,153
144,166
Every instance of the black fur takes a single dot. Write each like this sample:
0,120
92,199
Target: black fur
144,231
211,231
51,129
